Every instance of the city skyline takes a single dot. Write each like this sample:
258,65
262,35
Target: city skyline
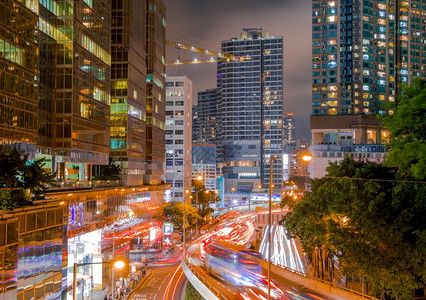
290,19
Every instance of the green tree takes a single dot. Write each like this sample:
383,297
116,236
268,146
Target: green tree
17,172
173,212
407,127
109,172
12,165
205,199
371,222
6,201
36,179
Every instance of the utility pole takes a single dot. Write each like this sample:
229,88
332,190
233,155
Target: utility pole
270,225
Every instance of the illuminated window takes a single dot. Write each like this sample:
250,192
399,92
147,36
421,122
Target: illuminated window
119,85
384,134
371,137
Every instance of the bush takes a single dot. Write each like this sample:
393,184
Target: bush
192,293
6,201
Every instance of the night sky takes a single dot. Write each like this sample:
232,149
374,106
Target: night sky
212,21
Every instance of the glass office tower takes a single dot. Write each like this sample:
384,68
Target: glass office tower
18,74
361,53
75,63
155,90
205,123
128,89
251,106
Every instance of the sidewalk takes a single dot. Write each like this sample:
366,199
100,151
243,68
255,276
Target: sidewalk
139,285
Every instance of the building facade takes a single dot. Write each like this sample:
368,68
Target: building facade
251,110
18,74
155,90
75,64
205,118
289,133
204,164
178,135
361,53
128,89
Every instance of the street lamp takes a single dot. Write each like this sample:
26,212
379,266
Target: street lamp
115,265
306,157
270,225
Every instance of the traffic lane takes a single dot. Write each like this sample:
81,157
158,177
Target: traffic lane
155,286
176,286
230,292
295,290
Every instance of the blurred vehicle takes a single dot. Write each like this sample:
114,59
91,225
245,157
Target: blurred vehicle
228,215
234,264
259,292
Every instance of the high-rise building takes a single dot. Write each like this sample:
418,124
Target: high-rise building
205,117
361,52
75,44
289,133
18,74
155,90
178,135
195,124
204,164
128,89
251,110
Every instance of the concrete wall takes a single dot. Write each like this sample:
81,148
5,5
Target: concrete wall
326,289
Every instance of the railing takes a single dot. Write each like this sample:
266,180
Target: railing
212,289
332,284
71,185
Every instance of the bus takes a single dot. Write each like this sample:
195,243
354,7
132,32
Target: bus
234,264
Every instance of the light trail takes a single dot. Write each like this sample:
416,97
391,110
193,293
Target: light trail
166,295
284,250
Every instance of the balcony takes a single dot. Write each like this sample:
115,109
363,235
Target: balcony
360,151
76,185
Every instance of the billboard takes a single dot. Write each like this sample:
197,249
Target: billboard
167,234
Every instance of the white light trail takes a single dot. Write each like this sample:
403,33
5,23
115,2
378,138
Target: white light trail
284,250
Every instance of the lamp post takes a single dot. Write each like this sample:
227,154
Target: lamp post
116,265
270,225
184,220
199,178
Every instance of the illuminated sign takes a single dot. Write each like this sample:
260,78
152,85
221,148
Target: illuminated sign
264,197
167,234
167,196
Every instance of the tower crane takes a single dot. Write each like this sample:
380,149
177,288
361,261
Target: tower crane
215,56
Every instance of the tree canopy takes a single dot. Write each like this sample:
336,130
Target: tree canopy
173,212
408,129
109,172
372,216
17,172
205,199
372,223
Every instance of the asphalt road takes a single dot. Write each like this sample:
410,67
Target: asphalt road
231,292
166,282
